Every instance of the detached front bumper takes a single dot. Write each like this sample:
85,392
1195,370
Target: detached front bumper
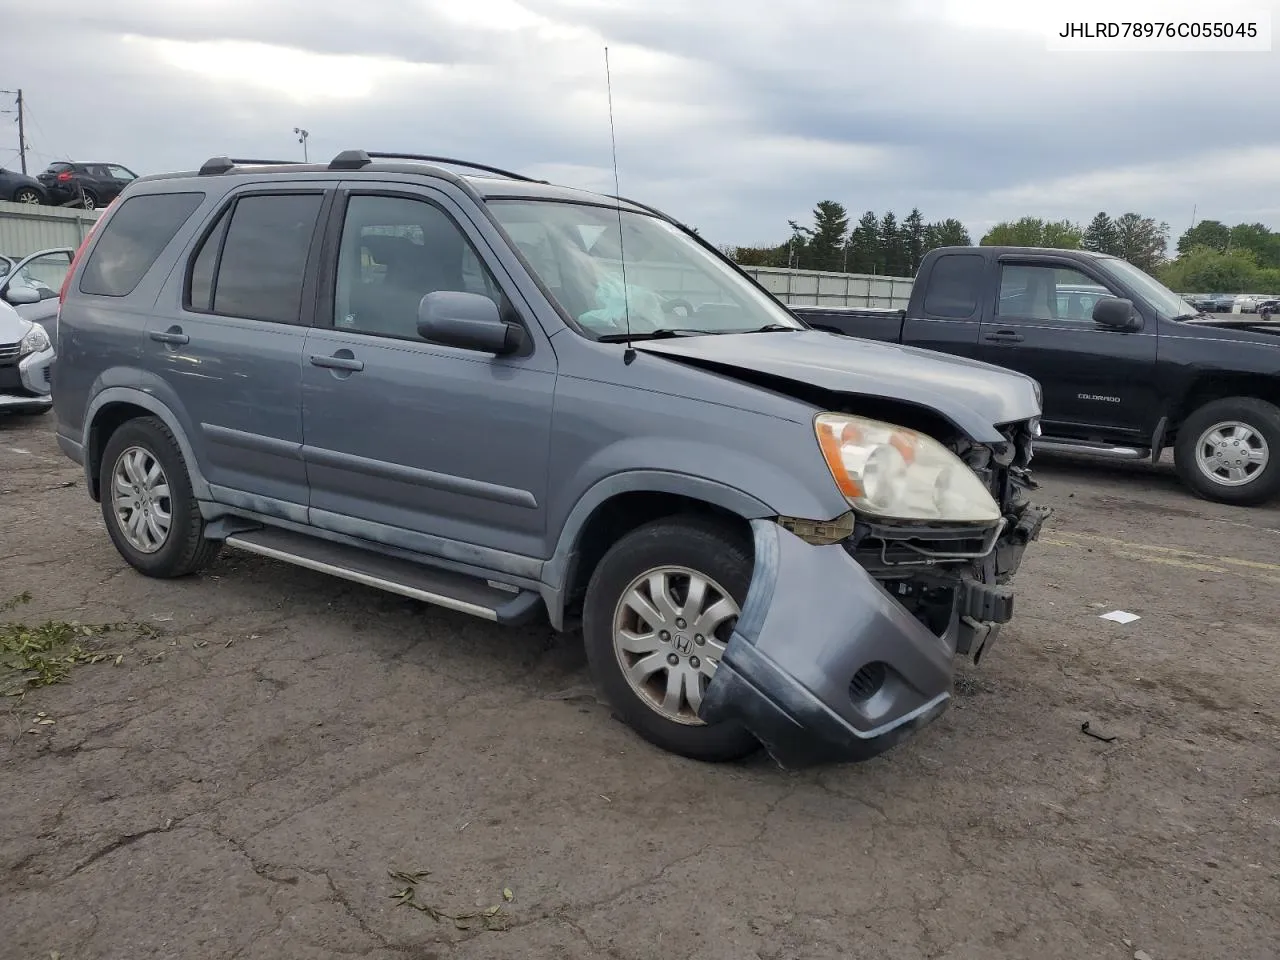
826,665
28,387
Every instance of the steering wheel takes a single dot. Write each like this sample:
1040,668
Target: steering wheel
671,306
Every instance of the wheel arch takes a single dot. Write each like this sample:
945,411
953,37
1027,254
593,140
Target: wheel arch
116,406
619,504
1220,386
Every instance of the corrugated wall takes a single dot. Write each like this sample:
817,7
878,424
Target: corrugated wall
818,288
25,228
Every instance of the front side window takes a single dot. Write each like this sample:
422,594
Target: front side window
671,282
121,173
132,238
253,263
1029,292
394,251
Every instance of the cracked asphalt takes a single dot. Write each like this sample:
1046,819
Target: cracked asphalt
239,785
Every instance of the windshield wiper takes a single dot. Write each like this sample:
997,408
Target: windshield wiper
772,327
663,334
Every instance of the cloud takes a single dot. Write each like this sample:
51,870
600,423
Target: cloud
735,116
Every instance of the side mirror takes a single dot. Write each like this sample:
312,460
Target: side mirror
1116,313
468,321
21,296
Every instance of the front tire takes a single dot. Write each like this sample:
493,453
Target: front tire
149,508
1228,451
660,608
26,195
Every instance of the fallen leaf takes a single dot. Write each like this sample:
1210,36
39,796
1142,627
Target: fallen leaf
119,659
507,894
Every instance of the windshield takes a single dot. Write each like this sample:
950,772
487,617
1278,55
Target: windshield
1167,303
672,283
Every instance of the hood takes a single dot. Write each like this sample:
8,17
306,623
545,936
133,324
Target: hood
12,327
975,396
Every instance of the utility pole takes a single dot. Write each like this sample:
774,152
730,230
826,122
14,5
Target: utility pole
22,126
22,135
302,139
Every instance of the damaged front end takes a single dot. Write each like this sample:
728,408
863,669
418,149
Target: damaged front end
851,628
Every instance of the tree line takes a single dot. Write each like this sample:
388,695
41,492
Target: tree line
877,244
1211,256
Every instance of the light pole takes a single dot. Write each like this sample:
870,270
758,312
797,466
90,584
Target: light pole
302,139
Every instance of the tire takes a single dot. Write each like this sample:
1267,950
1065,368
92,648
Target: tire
26,195
1228,427
674,548
183,550
88,201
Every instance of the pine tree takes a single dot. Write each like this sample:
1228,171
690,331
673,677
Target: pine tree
864,245
913,233
1100,236
892,248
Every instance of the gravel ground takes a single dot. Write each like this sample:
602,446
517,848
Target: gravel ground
241,782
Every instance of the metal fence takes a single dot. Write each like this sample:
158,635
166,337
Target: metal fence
818,288
26,228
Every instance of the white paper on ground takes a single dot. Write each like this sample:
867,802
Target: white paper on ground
1120,616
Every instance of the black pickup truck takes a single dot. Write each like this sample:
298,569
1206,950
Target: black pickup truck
1127,367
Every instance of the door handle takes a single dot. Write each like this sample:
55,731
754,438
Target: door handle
172,335
336,362
1004,336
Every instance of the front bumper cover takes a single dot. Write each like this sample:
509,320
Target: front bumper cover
34,374
855,673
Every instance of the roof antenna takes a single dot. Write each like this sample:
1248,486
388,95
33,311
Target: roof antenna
629,354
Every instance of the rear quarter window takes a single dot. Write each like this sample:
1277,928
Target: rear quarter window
132,238
954,286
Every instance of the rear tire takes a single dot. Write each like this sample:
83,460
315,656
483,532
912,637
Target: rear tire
1228,451
658,567
149,508
26,195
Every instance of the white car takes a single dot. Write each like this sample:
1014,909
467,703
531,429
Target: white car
1245,303
26,364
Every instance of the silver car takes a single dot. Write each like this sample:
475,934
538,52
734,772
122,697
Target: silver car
26,364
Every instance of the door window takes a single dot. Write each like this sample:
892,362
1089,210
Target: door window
120,173
1029,292
44,274
253,262
394,251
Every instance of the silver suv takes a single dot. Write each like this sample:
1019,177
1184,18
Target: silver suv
519,400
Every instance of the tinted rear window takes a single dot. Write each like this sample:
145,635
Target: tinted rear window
58,167
256,271
954,286
132,239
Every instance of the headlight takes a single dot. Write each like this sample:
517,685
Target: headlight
35,341
893,473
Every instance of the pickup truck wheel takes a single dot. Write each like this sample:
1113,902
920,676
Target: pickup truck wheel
660,608
147,503
1229,451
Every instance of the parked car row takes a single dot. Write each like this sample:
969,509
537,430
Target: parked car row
67,183
1227,303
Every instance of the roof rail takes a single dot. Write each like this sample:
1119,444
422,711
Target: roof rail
217,165
355,159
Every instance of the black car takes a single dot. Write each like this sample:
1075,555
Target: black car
19,188
88,185
1125,375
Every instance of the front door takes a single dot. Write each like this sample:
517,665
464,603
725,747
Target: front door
1098,383
422,446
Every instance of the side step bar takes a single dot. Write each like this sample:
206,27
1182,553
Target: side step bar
1093,449
444,588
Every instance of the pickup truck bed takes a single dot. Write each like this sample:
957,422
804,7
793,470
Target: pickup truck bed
1127,368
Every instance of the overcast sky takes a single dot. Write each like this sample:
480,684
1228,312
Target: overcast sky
733,115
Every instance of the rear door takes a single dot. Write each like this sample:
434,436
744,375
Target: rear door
228,342
1098,383
117,178
949,315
